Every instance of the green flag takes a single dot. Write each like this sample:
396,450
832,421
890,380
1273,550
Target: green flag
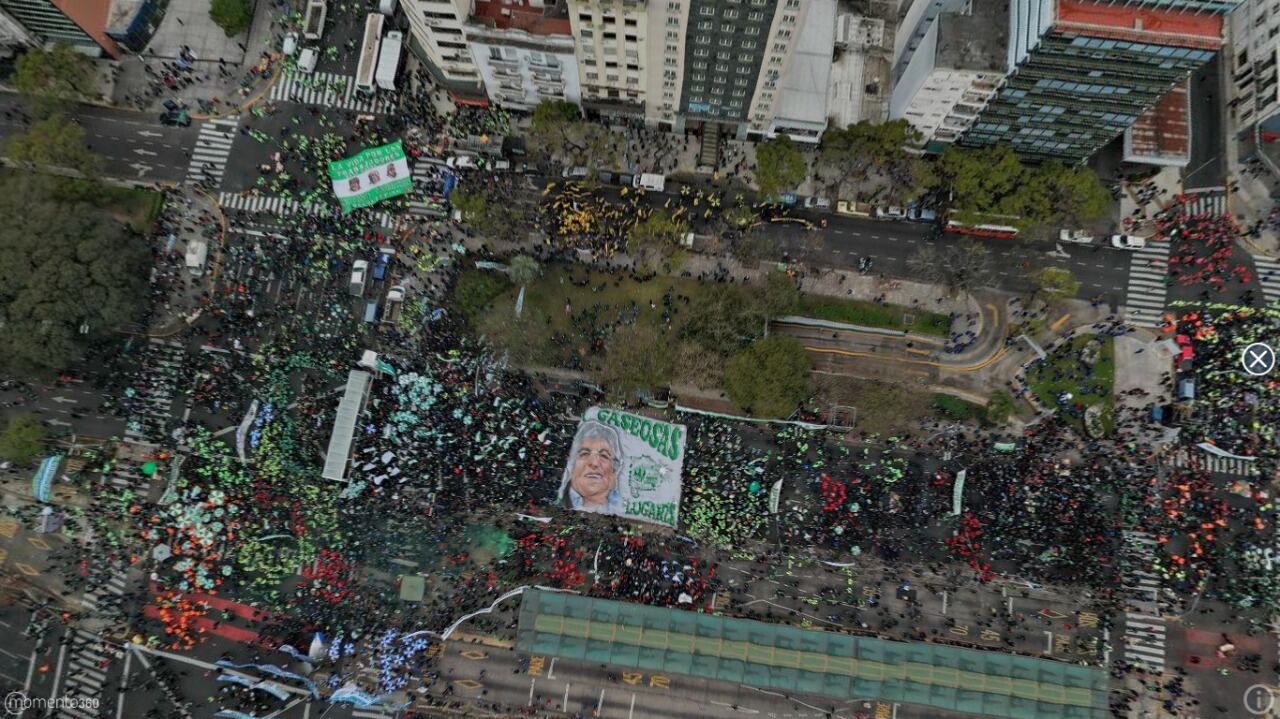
370,177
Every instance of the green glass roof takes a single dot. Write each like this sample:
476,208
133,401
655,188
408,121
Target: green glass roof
841,666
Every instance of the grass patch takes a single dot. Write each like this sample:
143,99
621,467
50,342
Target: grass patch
871,314
476,290
955,408
1063,372
138,208
885,407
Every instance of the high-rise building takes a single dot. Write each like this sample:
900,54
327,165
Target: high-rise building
735,54
79,23
13,34
436,37
798,108
524,51
1082,71
613,50
1254,48
950,68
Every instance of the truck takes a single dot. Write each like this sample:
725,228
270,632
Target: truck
359,273
369,53
650,181
395,302
313,21
197,254
389,60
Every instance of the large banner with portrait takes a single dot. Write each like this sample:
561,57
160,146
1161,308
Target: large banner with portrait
370,177
625,465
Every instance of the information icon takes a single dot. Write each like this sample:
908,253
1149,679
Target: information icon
1258,700
1258,359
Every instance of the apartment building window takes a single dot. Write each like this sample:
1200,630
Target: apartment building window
609,19
438,15
673,7
589,61
611,78
633,68
629,22
779,47
706,10
744,69
587,33
751,30
788,19
452,45
672,48
630,38
673,35
611,64
450,30
755,16
633,81
698,77
584,17
720,67
699,52
717,90
495,53
748,45
593,76
775,60
726,41
740,81
706,25
702,40
697,65
673,22
784,33
730,14
610,36
739,93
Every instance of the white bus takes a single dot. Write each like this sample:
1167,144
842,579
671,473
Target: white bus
369,53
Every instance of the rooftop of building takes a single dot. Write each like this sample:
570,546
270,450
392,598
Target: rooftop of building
977,39
535,18
803,95
1161,135
91,16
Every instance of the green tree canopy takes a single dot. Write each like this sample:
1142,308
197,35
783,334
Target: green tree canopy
559,132
54,142
69,275
22,439
854,152
770,378
1055,283
490,217
725,318
992,180
656,236
637,357
779,166
54,76
233,16
523,269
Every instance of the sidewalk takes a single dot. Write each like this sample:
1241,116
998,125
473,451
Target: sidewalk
189,216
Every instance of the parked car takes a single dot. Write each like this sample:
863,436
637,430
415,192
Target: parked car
382,263
176,118
575,173
500,165
921,214
817,203
1079,237
1128,242
462,162
891,212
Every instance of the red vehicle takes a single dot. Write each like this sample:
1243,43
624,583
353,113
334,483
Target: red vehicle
1004,232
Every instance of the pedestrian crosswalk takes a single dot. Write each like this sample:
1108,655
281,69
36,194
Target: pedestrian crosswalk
1148,272
283,206
87,659
1188,458
1207,201
1144,627
153,390
1268,272
213,147
326,89
107,595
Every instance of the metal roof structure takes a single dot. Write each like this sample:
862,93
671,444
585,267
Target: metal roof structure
344,425
840,666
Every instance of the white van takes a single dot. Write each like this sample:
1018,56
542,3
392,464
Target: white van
290,44
648,181
307,60
359,273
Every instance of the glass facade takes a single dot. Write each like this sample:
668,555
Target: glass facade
1074,94
42,19
724,47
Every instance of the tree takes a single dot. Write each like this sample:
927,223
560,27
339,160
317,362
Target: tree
637,357
960,267
698,366
979,178
779,296
770,378
522,269
1073,193
54,76
54,142
999,407
1054,283
779,166
724,318
854,152
504,219
754,244
655,236
560,132
69,275
22,439
233,16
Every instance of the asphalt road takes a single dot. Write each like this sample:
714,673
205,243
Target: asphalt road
134,145
1208,136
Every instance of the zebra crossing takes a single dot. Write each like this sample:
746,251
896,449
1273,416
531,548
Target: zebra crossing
1148,284
1145,637
149,407
1268,272
1208,201
1187,458
213,147
106,596
127,476
89,656
283,206
327,89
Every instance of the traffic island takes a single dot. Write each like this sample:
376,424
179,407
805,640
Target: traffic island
1075,376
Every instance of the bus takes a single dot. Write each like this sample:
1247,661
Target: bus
1003,232
369,53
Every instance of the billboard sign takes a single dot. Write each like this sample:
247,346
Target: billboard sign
625,465
370,177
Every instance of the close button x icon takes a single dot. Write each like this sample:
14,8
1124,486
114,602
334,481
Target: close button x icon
1258,359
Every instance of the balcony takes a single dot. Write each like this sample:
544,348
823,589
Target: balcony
504,64
964,110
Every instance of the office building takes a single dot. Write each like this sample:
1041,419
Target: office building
1254,94
799,106
950,68
523,51
80,23
613,48
1082,72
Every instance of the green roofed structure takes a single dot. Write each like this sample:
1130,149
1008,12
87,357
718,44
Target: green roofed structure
839,666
